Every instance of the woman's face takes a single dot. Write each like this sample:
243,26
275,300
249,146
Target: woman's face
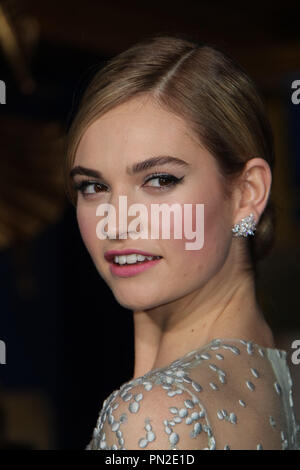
135,131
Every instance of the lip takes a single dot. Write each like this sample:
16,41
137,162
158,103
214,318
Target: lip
129,270
109,255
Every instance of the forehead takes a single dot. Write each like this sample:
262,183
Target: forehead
135,128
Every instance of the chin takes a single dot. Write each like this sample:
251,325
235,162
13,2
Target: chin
137,301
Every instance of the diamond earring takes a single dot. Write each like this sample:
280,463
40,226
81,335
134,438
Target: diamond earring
245,227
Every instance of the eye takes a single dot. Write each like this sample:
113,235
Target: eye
89,187
166,180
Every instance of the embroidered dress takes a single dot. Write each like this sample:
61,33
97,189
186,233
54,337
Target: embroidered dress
229,394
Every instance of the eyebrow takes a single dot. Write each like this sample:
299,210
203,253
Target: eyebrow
135,168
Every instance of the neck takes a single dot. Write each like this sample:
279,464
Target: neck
167,332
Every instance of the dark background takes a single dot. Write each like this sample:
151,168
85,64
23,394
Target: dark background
64,352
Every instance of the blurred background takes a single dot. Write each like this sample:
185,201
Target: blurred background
64,354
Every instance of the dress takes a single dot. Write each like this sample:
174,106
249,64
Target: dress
229,394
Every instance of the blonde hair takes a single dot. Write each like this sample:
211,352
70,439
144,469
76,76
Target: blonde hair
201,84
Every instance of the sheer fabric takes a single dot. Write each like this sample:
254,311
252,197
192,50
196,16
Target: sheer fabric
230,394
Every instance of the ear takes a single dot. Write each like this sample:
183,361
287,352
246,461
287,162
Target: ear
253,190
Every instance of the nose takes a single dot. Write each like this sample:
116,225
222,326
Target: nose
115,222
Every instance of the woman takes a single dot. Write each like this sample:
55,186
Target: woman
171,122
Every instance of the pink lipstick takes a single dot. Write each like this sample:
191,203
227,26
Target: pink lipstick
127,270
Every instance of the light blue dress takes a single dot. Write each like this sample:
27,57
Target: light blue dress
229,394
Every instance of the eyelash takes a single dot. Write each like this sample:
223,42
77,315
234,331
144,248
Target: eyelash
81,186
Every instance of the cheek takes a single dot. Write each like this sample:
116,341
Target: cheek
209,223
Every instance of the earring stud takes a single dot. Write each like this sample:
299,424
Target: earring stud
245,227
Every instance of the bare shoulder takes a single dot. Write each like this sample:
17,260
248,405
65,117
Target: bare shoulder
221,397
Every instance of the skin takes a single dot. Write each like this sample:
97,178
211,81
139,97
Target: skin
189,297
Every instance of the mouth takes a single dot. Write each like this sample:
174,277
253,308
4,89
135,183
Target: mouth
131,263
129,257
